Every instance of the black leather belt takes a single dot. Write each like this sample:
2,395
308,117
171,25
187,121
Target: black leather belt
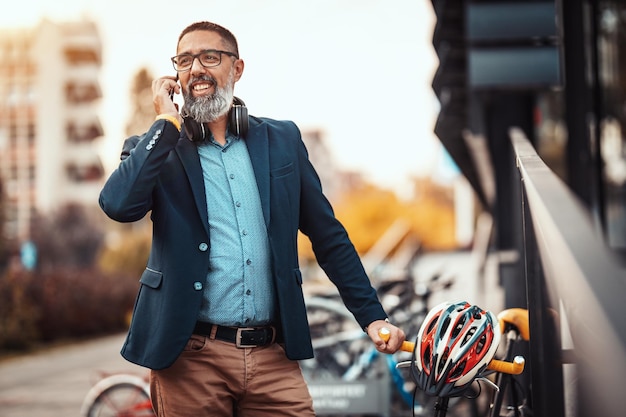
242,337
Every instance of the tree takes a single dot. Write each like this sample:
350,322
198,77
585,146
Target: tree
142,110
368,211
67,239
431,215
129,255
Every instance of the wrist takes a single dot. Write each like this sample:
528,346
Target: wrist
172,119
386,319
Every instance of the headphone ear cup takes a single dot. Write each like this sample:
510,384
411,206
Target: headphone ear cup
193,129
238,122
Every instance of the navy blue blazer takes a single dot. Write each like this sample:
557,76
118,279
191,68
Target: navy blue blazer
160,172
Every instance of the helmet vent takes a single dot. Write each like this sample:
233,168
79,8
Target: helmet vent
468,335
459,326
426,358
481,343
457,371
444,327
444,359
431,326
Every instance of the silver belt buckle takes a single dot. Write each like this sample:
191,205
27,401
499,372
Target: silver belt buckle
238,337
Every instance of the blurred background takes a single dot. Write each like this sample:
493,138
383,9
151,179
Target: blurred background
427,122
76,76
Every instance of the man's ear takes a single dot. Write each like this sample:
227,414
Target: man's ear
239,65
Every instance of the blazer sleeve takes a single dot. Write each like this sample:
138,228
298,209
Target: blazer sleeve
127,194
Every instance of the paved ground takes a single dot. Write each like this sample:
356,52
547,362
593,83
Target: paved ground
53,383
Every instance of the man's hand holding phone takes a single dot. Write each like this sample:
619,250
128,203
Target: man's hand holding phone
163,90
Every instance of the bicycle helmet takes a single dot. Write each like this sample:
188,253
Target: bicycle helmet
455,343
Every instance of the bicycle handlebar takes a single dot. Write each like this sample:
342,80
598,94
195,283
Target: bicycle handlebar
407,346
515,367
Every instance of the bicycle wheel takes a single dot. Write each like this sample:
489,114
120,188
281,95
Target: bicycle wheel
119,396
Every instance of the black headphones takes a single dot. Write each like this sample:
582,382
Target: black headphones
237,123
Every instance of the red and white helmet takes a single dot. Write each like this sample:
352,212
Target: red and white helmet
455,343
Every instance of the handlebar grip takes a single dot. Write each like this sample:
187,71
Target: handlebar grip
406,345
514,368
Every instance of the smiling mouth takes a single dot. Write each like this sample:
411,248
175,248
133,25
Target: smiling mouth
201,87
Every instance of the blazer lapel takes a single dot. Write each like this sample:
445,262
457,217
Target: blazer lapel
188,155
258,148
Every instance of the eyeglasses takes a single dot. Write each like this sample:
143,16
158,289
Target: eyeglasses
209,58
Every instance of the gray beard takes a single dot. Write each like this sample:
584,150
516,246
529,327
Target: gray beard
209,108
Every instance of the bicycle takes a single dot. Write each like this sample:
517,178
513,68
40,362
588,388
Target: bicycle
513,322
512,398
118,395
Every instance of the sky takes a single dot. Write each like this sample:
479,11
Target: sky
360,70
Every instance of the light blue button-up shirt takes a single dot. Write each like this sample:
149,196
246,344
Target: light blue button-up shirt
239,289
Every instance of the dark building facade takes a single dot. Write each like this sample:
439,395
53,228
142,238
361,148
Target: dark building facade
556,70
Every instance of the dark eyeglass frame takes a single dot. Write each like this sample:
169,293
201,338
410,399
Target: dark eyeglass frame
193,57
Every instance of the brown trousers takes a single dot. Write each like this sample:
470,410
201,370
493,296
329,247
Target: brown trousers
217,379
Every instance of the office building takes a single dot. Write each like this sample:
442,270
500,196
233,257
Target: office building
49,126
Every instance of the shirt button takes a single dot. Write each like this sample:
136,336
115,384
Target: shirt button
248,292
238,204
197,285
248,262
203,247
232,176
244,232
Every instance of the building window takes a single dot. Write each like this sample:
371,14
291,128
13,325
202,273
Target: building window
84,173
77,56
81,93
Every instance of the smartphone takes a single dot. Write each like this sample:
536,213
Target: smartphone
172,90
172,96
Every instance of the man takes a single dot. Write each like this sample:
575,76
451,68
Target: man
220,315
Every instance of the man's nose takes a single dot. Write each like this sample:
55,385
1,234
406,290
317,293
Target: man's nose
196,66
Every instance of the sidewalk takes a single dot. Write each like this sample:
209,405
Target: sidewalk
53,383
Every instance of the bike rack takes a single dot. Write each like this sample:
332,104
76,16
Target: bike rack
336,396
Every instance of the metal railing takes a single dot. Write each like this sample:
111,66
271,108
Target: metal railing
576,291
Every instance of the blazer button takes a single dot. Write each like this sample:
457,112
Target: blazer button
203,247
197,285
